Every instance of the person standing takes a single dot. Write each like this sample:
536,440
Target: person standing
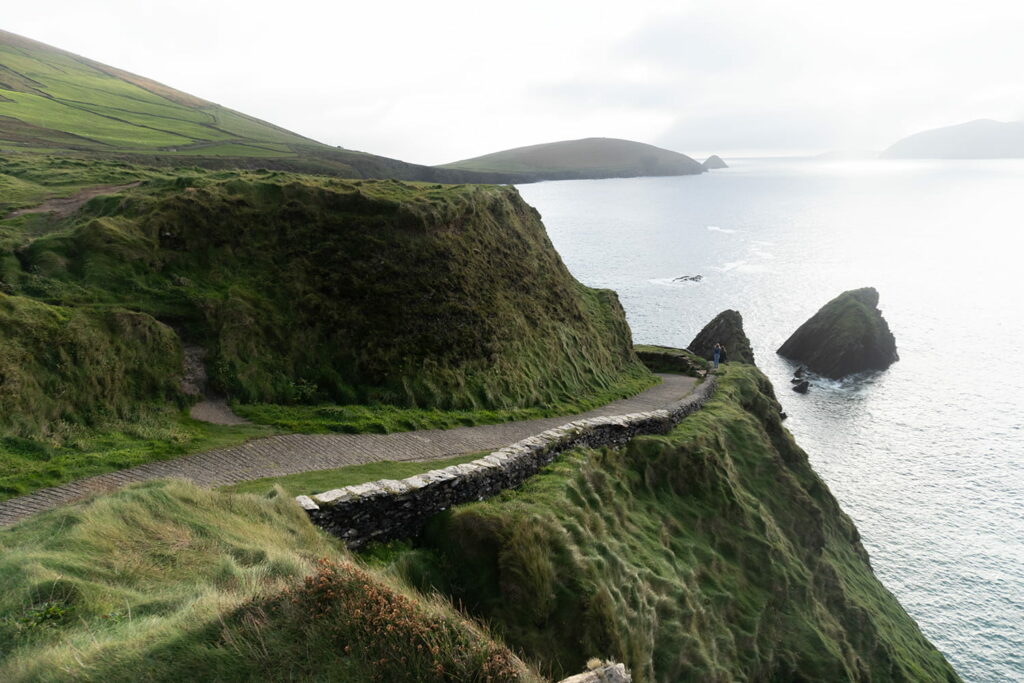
716,354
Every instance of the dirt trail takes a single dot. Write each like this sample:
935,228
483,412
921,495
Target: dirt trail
65,206
211,408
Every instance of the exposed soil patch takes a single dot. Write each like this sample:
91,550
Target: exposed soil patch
216,411
65,206
212,409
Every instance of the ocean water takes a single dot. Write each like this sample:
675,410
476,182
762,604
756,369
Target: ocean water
926,457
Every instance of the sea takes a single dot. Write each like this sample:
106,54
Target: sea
927,457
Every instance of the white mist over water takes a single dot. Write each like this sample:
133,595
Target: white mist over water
927,457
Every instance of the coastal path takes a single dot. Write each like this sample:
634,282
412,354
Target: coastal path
276,456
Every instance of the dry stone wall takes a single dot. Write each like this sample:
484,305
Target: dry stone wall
388,509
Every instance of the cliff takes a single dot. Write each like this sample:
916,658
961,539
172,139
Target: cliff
714,553
846,336
303,289
711,553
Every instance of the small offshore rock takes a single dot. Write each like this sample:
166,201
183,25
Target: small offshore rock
725,329
848,335
802,387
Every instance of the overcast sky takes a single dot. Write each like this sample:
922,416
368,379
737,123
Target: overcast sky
432,82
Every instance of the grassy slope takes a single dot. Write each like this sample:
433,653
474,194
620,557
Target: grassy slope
167,582
714,553
437,305
54,101
587,158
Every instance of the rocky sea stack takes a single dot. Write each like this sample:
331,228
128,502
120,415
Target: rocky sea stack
714,161
847,335
726,329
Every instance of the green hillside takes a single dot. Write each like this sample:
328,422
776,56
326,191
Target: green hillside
586,158
308,291
168,582
55,101
714,553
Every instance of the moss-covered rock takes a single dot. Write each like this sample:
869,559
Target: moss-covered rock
714,553
846,336
726,329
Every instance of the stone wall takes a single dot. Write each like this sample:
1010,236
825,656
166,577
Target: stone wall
388,509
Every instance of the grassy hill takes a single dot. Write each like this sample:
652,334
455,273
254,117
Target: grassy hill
586,158
55,101
309,291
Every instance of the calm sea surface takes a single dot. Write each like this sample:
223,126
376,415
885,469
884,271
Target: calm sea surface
927,457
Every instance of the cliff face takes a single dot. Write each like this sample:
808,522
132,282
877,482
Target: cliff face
846,336
312,289
714,553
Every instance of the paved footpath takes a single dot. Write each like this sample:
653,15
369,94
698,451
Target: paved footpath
276,456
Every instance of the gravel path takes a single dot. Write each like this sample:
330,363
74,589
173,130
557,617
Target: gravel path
293,453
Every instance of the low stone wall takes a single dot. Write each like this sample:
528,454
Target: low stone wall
388,509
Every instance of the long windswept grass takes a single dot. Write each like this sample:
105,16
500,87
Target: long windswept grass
168,582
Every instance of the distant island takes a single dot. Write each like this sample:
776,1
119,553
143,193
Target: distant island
714,161
981,139
580,159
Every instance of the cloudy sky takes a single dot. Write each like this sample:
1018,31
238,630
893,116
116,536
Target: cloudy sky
432,82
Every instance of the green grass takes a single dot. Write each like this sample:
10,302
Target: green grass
669,359
386,419
73,452
319,481
167,582
713,553
60,95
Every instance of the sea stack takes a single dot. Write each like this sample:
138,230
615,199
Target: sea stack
846,336
726,329
714,161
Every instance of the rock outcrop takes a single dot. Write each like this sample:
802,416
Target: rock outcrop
846,336
714,161
726,329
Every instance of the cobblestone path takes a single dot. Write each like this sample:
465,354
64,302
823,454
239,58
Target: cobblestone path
293,453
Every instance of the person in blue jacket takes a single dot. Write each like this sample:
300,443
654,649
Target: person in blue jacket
716,354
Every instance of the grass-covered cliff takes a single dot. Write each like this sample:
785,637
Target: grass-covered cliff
714,553
303,290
